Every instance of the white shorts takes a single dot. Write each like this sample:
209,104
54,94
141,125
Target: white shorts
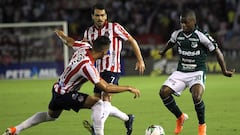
179,81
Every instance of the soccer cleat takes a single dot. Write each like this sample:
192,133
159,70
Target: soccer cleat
179,123
10,131
129,123
202,129
89,127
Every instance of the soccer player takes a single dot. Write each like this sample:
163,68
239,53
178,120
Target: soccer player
192,47
65,95
109,66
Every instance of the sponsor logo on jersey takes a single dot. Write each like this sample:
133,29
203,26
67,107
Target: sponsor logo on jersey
188,53
180,38
188,60
188,66
194,39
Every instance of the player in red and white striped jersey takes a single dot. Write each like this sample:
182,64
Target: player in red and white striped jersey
117,34
65,95
109,65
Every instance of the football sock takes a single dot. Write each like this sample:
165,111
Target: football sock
106,109
170,103
119,114
34,120
200,109
98,131
98,117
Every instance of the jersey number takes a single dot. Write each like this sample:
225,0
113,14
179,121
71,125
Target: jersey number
112,79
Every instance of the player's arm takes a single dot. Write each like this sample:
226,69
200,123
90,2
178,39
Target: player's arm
111,88
140,65
65,39
222,63
168,46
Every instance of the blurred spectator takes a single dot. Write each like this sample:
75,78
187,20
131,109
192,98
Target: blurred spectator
142,18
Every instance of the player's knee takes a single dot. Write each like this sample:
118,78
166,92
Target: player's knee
197,98
164,92
53,115
51,118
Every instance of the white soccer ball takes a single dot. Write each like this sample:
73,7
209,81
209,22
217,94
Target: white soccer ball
155,130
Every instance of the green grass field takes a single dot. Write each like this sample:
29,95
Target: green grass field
20,99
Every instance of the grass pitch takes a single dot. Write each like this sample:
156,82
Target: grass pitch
19,99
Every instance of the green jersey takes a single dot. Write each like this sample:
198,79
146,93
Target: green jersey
192,49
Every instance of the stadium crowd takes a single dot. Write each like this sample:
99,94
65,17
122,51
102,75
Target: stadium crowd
150,21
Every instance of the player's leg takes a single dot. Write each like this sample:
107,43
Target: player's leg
111,110
171,86
114,111
197,91
197,86
36,118
169,101
112,78
86,124
32,121
98,116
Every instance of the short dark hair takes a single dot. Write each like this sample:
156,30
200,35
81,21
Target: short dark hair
101,43
98,6
188,12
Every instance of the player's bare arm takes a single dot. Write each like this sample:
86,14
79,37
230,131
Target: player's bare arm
65,39
140,65
168,46
222,64
111,88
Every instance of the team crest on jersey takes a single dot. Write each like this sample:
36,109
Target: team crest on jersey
194,44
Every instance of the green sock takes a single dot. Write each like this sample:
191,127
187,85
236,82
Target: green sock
170,103
200,109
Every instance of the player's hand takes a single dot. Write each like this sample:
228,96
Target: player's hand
135,91
140,66
64,38
162,53
229,73
59,33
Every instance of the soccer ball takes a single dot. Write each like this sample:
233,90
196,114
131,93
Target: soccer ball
155,130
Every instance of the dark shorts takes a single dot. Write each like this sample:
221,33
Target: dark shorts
72,100
110,77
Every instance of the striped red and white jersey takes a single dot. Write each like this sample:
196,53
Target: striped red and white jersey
79,70
117,34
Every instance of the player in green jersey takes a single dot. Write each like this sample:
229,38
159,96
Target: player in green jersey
192,47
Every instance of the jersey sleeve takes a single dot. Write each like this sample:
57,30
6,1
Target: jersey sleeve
81,44
121,32
212,40
207,42
91,73
173,38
